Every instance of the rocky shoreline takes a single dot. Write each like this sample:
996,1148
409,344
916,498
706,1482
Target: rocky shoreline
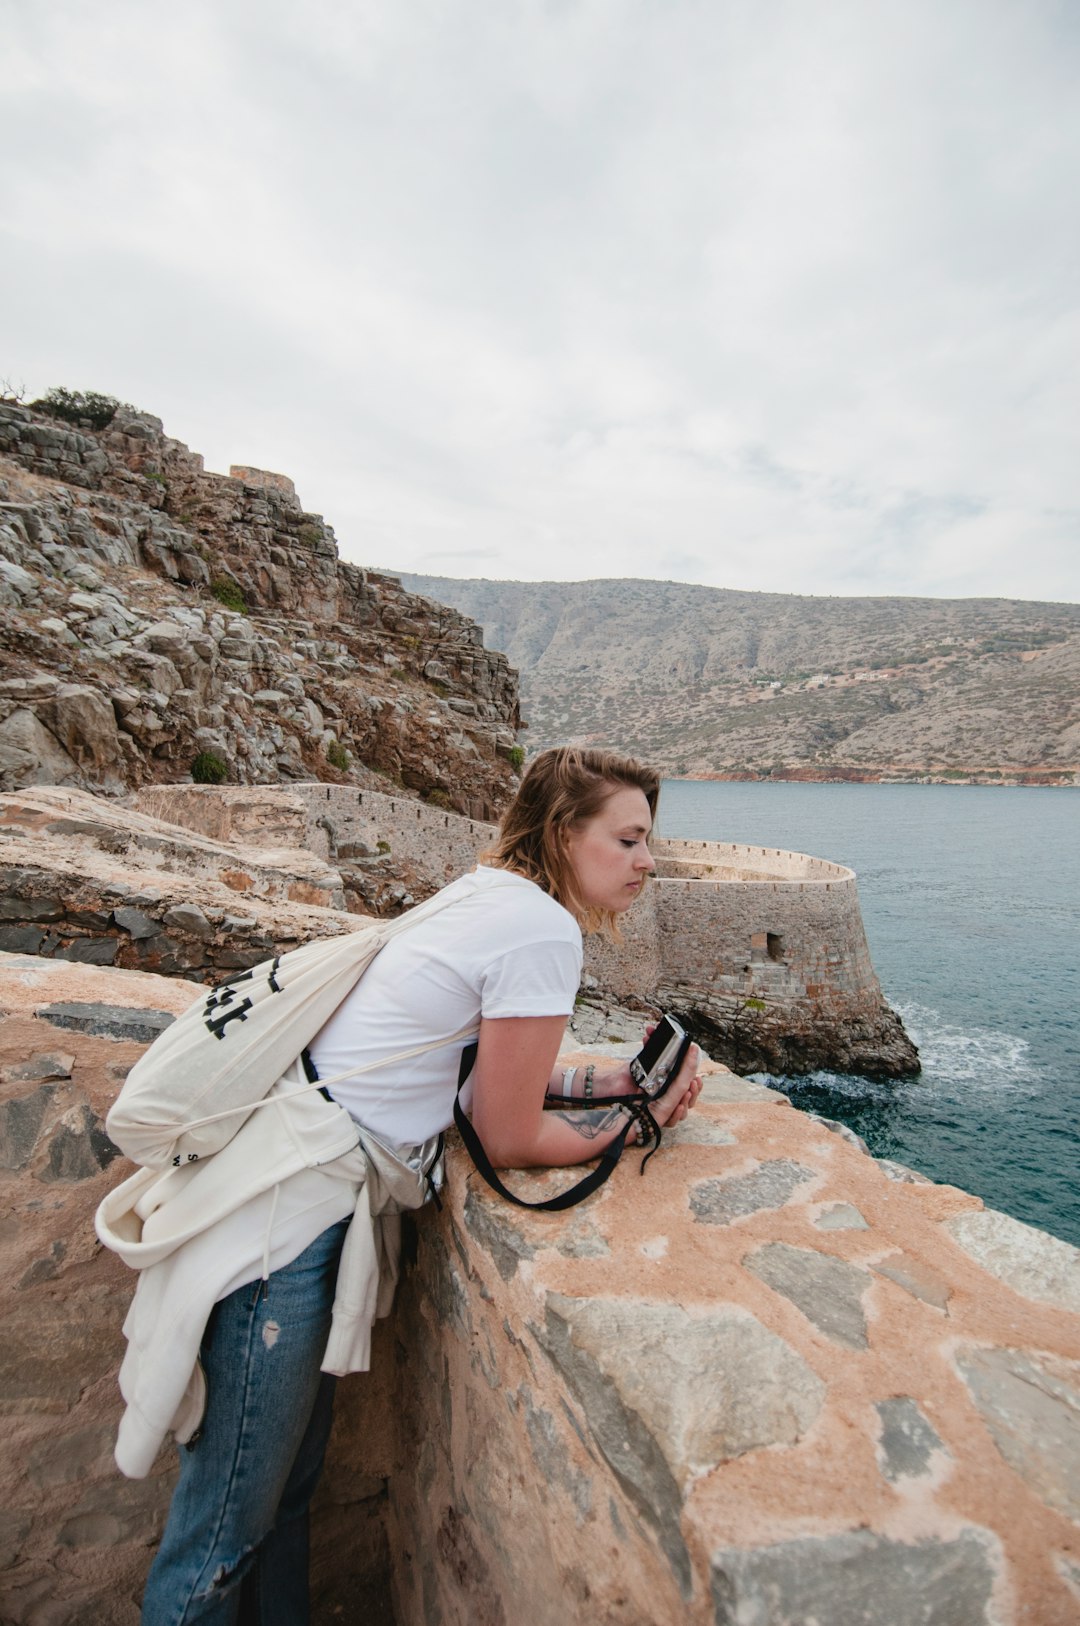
1047,778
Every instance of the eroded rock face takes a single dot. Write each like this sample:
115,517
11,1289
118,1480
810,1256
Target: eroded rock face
86,881
123,655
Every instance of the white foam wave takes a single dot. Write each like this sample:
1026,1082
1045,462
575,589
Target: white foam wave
959,1061
971,1058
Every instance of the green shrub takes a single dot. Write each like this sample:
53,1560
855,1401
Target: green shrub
517,757
226,591
78,406
208,769
382,846
337,756
439,798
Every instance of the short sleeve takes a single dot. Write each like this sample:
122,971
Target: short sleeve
537,979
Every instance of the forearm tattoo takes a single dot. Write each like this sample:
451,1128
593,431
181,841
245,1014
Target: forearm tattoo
589,1124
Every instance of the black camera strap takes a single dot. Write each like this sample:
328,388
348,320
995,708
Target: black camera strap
636,1106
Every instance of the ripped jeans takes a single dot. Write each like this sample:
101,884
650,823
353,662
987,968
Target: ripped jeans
235,1547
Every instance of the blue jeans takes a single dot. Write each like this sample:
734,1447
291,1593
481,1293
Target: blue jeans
235,1547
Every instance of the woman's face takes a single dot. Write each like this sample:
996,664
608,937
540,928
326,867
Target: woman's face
609,852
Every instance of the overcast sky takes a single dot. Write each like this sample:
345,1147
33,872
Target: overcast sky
753,293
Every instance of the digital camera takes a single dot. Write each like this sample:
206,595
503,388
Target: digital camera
661,1056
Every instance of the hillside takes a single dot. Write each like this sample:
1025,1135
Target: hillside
707,681
159,621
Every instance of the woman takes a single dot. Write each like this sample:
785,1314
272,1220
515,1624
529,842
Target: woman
504,955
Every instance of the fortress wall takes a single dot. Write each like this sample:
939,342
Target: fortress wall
437,846
773,1379
631,970
338,823
814,944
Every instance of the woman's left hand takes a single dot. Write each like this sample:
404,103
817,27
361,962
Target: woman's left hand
682,1093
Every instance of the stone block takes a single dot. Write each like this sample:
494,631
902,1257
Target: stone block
188,917
841,1217
857,1578
915,1278
21,939
135,923
43,1065
908,1440
20,1126
698,1130
1030,1402
83,721
108,1021
90,951
496,1234
1031,1262
22,909
770,1185
669,1394
79,1148
827,1290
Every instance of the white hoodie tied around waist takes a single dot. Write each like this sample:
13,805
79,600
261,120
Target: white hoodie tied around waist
197,1232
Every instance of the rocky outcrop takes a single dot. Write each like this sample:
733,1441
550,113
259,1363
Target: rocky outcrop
86,881
153,612
773,1380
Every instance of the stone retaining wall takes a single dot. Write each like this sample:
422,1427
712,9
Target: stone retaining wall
773,1381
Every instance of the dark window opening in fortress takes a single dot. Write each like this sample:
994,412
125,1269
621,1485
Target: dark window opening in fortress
767,946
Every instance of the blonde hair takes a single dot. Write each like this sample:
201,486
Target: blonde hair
562,789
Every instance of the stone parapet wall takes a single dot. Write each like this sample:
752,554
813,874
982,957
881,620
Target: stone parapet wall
728,860
76,1537
770,1381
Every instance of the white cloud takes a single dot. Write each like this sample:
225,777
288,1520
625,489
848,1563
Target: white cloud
774,295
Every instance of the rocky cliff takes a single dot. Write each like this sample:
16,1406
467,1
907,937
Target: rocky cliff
776,685
155,614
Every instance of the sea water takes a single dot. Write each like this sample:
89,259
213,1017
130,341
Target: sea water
971,901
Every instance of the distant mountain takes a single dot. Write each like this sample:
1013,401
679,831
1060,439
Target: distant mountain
707,681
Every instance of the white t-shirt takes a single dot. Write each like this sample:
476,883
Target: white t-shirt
502,948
